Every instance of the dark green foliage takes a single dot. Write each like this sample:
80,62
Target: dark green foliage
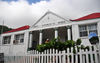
70,43
87,47
78,42
82,46
78,47
57,44
74,51
5,28
69,56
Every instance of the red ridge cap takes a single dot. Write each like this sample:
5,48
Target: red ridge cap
90,16
19,29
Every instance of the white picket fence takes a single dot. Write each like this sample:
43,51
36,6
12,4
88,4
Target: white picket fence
53,56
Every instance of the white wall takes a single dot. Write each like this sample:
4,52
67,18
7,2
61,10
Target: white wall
15,48
75,30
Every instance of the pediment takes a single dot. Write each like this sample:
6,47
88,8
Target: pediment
50,18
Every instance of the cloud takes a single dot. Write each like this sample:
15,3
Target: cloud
20,13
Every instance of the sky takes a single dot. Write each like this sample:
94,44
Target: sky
17,13
29,1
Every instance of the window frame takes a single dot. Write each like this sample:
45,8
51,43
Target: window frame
87,29
8,40
19,39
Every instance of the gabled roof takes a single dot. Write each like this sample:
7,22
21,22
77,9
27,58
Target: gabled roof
90,16
47,14
19,29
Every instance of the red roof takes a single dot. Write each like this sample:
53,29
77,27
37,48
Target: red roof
90,16
19,29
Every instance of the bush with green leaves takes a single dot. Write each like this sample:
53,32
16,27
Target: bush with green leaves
78,42
57,44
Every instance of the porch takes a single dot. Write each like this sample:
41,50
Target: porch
40,36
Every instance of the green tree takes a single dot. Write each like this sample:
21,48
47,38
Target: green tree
5,28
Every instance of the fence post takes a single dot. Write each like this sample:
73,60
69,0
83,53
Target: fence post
72,57
83,56
76,55
87,59
95,50
53,56
56,56
60,56
42,58
39,57
80,51
64,56
47,55
50,57
91,55
68,55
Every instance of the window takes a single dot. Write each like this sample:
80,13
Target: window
19,39
6,40
86,29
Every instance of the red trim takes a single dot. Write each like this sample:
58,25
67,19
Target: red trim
18,29
91,16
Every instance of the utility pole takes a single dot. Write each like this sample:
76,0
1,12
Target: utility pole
2,27
1,35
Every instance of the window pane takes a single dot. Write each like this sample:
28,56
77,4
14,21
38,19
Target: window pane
17,37
95,31
83,34
21,40
92,27
21,36
5,42
82,28
9,41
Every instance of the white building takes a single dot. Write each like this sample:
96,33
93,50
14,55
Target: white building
50,26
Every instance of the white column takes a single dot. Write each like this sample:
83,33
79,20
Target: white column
69,32
40,37
30,39
11,43
56,32
26,41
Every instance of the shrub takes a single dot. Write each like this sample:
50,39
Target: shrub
57,44
78,41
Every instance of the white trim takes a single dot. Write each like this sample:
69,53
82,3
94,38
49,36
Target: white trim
5,44
19,44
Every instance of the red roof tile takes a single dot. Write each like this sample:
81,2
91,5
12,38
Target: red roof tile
19,29
91,16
